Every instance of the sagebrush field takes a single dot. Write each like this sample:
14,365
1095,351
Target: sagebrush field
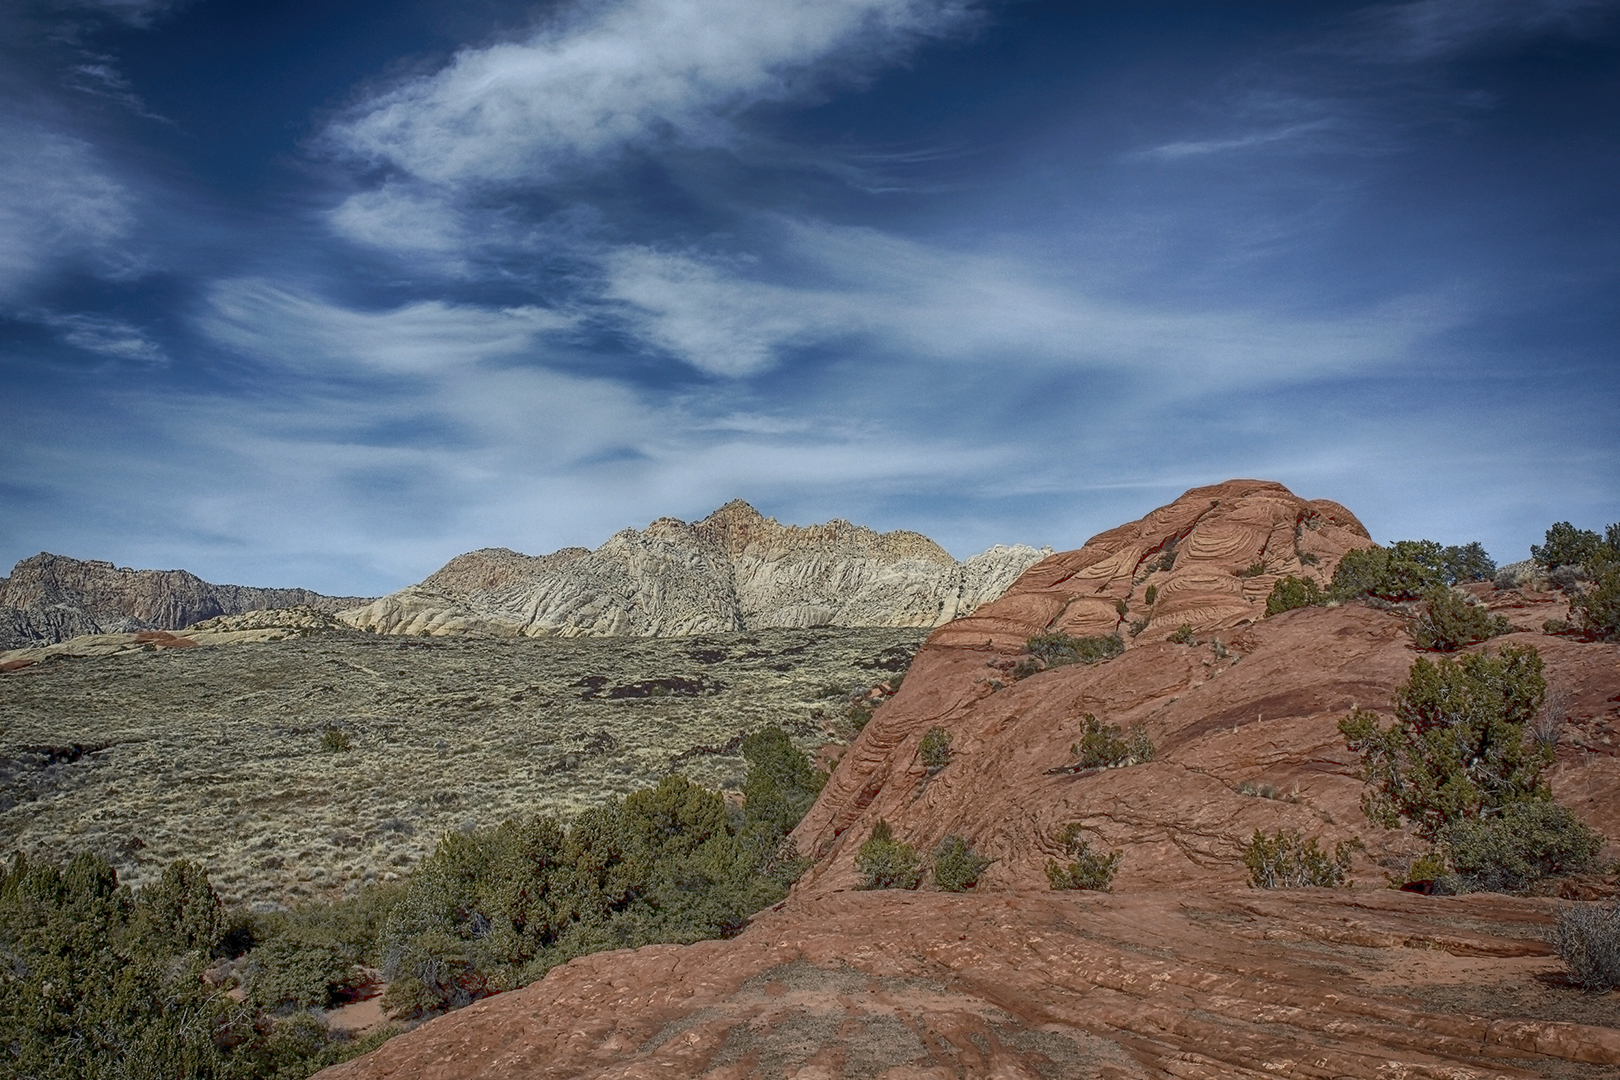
303,768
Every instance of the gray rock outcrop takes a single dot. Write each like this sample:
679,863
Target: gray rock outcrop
734,570
51,598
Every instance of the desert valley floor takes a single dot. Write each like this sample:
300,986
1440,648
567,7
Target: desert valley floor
216,753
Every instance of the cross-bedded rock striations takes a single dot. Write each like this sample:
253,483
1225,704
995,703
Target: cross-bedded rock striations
734,570
51,598
1209,560
1181,970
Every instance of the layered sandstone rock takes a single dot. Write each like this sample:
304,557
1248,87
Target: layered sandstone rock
734,570
1209,559
1180,971
52,598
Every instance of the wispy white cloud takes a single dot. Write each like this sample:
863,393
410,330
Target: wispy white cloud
911,299
1428,29
408,219
58,205
604,77
297,330
108,336
1292,136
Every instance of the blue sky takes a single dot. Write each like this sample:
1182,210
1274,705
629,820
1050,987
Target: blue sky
322,294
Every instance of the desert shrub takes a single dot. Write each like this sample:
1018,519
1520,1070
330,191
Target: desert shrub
1152,595
1103,746
1254,569
334,740
1292,592
1526,842
1449,621
935,749
1568,546
1265,791
288,973
781,784
433,971
1430,866
1587,939
1598,610
1402,571
956,866
1467,562
1083,869
1458,746
180,911
1057,649
1463,764
493,909
95,988
1286,860
1183,635
886,863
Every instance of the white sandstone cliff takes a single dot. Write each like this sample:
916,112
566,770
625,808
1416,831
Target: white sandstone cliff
734,570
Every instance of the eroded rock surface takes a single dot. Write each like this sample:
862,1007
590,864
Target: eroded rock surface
51,598
930,986
1181,971
734,570
1210,559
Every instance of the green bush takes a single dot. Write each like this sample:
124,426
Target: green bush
1598,610
1183,635
956,866
1462,764
288,974
1286,860
1458,746
180,912
1568,546
1588,941
1057,649
1292,592
335,740
494,909
1402,571
781,784
886,863
1467,563
1103,746
1449,621
105,985
1526,842
1083,870
935,749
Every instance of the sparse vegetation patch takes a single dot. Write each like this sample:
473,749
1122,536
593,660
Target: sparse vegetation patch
1286,860
956,866
1449,620
1083,868
887,863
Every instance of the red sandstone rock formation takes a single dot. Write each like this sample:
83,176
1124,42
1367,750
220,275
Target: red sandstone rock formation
1181,971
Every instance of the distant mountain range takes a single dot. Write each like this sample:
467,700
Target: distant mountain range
734,570
50,598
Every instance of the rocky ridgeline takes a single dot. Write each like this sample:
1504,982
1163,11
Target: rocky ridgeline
734,570
51,598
